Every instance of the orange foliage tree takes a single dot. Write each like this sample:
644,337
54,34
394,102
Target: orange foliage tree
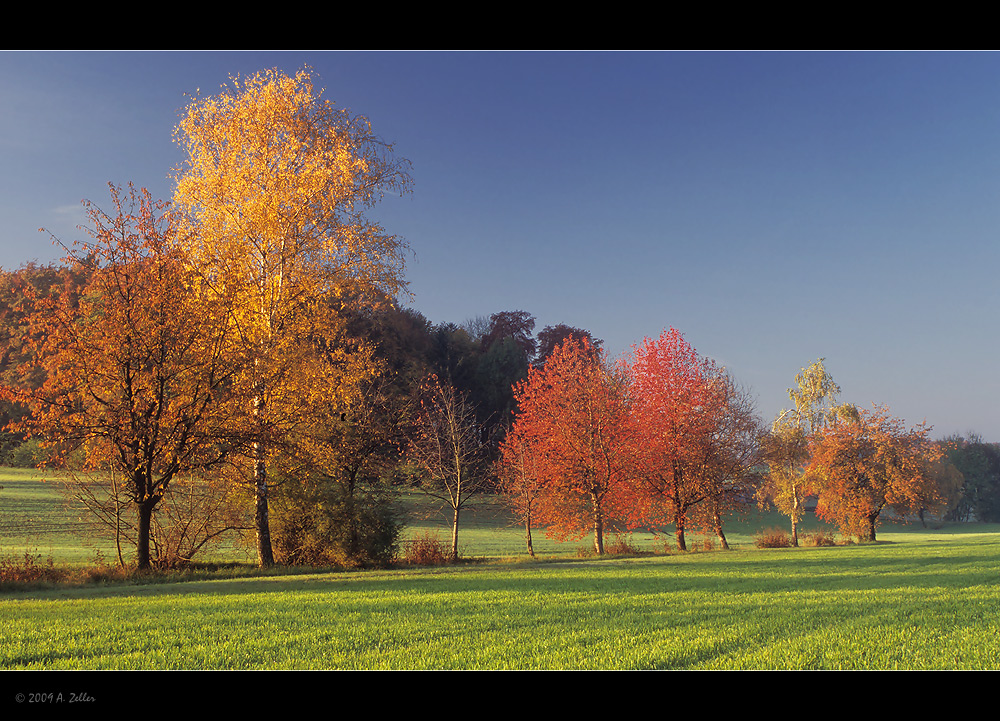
679,403
134,372
573,423
866,461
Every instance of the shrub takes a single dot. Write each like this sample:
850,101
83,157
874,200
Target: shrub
27,454
707,544
772,538
820,538
622,546
427,550
319,523
29,568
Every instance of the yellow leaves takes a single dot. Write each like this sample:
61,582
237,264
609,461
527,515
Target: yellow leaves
271,194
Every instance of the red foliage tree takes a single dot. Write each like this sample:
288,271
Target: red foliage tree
867,461
573,421
679,404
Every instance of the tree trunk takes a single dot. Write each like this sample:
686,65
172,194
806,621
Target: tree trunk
454,536
717,521
527,535
598,526
679,525
265,554
871,528
795,516
721,535
145,509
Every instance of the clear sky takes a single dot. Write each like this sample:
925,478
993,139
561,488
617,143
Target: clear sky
773,207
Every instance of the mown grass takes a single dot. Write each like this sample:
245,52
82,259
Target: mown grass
919,599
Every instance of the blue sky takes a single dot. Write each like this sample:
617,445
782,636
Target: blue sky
774,207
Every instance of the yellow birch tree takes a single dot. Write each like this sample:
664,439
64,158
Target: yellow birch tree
787,447
275,191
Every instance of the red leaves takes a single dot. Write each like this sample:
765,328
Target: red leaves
679,404
571,443
639,444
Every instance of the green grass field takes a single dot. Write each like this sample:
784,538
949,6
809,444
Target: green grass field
918,599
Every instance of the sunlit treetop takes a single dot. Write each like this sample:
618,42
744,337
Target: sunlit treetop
275,188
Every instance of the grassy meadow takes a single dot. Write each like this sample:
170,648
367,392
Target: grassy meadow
918,599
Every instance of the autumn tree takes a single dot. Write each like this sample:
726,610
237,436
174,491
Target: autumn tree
787,447
866,462
733,453
135,375
679,400
275,192
573,418
521,482
447,451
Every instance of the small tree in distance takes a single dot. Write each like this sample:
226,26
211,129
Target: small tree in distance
787,447
447,450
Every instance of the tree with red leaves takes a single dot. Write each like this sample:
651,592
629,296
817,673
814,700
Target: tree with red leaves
866,462
679,403
573,422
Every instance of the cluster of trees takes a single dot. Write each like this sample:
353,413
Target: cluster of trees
666,438
236,360
206,342
663,437
858,462
971,476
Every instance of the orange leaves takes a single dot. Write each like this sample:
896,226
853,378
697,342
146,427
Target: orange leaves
133,367
275,185
867,461
273,199
136,375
